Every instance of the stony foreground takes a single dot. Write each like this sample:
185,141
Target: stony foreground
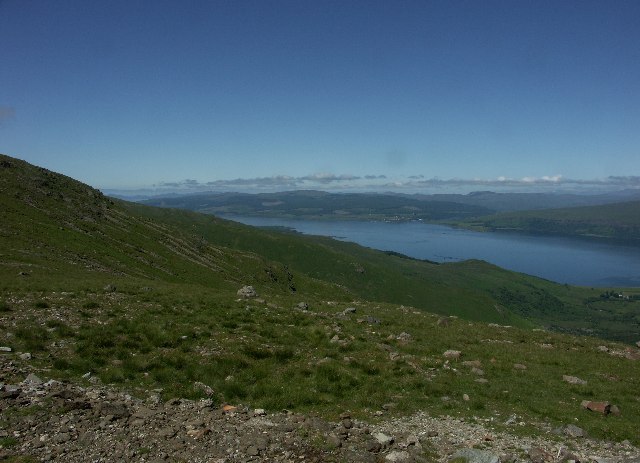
53,421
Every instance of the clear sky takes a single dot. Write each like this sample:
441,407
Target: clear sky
130,93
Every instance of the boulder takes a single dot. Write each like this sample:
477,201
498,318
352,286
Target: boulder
452,354
572,430
600,407
247,291
382,439
203,387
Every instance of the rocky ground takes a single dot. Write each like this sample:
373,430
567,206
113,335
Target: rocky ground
46,420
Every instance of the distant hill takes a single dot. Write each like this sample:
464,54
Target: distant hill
320,205
506,202
615,221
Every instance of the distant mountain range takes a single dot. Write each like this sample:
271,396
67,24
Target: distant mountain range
603,215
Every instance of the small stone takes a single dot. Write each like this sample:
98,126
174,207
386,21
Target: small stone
347,423
573,380
110,289
259,412
432,433
349,310
519,366
303,305
25,356
511,420
477,371
465,397
5,349
614,410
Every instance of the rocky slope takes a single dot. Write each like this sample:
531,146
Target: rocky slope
48,420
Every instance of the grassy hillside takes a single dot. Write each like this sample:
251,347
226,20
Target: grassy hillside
616,221
145,299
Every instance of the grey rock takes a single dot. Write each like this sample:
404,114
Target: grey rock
383,439
203,387
247,291
5,349
32,380
476,456
25,356
572,430
573,380
452,354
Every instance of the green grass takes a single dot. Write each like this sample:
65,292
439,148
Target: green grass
277,357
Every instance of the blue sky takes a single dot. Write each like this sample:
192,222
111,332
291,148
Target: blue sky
126,94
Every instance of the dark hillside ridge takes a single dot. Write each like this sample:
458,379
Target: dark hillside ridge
509,202
618,221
